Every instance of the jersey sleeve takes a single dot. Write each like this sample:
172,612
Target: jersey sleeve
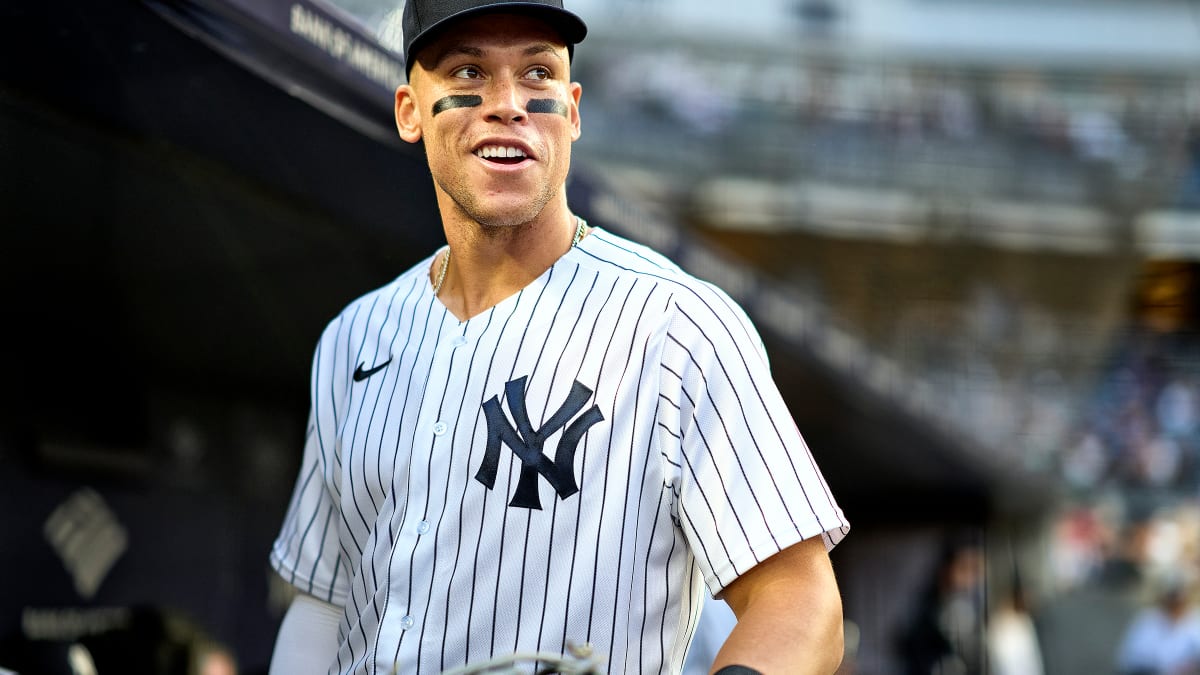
747,485
307,551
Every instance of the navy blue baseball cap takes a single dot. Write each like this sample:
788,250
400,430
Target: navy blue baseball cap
424,18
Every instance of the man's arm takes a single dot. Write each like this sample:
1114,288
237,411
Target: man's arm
789,614
307,641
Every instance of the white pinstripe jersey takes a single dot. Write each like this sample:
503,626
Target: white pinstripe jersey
573,465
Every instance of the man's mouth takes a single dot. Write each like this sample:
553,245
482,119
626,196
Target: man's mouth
501,154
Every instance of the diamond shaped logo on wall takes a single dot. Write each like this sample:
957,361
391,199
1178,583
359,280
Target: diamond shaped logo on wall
87,537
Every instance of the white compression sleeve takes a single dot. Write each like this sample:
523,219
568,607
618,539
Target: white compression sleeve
307,641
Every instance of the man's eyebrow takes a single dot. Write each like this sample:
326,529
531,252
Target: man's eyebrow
541,48
453,50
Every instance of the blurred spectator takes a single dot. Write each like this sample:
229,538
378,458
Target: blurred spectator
214,659
945,636
1097,136
1190,193
1163,639
1177,408
1012,641
1085,461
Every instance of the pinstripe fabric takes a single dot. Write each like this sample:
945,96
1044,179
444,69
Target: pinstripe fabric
694,472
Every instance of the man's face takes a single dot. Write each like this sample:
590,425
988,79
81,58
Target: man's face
493,101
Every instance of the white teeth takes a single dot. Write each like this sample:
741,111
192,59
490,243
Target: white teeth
498,151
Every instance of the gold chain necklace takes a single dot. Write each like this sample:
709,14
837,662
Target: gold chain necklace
437,285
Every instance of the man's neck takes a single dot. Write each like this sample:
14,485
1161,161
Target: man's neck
489,264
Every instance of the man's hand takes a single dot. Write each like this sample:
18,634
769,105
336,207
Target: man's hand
789,614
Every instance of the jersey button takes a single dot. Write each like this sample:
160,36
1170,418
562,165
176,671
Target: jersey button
458,341
406,622
423,527
439,428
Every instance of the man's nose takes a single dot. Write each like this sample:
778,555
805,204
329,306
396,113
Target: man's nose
504,102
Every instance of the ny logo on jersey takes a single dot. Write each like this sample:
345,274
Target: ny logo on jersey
526,443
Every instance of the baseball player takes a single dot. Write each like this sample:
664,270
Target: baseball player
543,438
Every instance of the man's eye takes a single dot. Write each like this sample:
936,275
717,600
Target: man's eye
468,72
538,73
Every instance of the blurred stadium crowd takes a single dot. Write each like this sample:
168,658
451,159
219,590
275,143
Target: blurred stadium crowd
935,128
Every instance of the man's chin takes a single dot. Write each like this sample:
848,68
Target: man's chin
505,217
504,223
500,210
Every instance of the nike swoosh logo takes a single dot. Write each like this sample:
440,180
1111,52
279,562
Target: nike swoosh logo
360,374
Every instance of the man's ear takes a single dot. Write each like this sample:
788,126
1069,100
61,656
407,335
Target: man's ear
574,92
408,114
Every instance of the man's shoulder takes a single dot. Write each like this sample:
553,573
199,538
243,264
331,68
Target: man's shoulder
624,255
700,299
